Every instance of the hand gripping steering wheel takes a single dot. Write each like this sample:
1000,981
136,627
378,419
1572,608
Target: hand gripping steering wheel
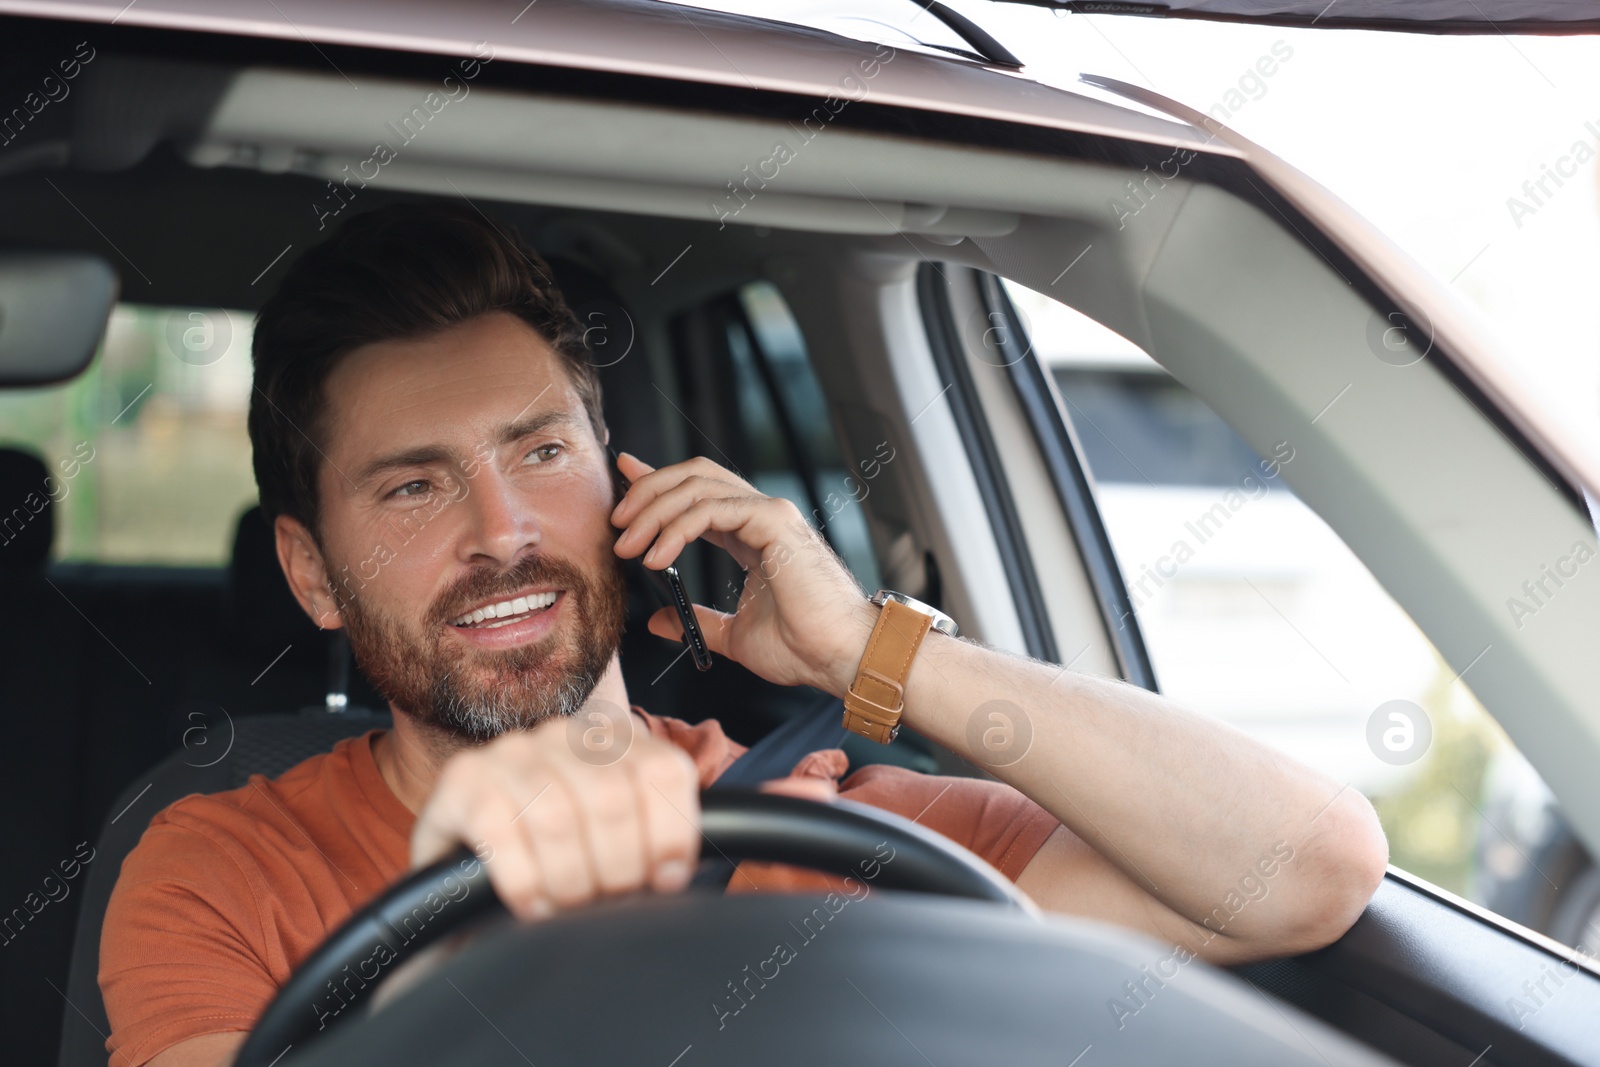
835,838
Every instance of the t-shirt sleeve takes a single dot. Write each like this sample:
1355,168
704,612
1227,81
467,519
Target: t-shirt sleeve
995,820
177,955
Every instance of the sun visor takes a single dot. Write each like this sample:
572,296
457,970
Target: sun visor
53,312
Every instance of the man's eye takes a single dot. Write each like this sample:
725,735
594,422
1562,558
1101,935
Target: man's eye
542,454
411,488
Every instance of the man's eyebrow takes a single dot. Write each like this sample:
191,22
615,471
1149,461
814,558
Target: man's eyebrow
426,455
537,423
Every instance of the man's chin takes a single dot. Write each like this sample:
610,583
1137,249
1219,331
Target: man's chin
477,716
482,694
533,689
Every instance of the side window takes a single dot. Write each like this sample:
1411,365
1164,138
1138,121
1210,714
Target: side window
743,393
147,453
1254,611
794,452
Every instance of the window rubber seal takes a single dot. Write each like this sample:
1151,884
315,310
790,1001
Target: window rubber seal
944,341
1063,458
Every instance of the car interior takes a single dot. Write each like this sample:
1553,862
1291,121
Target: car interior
849,318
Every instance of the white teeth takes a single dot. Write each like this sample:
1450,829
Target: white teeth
507,608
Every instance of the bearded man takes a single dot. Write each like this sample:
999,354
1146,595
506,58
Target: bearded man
419,372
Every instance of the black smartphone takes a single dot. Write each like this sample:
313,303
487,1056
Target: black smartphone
668,584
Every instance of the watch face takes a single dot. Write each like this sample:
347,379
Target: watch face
941,622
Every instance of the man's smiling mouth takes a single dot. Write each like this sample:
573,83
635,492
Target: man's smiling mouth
505,612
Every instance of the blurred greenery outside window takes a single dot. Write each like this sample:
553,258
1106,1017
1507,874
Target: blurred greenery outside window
162,407
1267,620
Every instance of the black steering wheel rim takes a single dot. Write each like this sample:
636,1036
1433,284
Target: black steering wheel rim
840,837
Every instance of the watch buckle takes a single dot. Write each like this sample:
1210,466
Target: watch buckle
885,715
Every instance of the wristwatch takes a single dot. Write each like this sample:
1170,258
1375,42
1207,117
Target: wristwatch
876,699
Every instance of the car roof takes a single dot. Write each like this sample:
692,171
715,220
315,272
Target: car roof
689,47
652,39
648,38
1415,16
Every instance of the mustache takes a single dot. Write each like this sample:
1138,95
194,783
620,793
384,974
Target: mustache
489,583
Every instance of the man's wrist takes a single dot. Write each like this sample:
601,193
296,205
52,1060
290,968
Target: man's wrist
863,617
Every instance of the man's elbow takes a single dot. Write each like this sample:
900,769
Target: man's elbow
1344,864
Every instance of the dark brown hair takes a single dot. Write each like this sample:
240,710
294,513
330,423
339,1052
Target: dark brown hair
403,272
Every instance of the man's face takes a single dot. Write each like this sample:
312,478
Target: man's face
465,527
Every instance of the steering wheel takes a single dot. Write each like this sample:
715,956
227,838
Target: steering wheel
840,838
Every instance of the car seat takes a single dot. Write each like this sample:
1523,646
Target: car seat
41,679
257,744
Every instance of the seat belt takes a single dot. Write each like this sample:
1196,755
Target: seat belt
774,756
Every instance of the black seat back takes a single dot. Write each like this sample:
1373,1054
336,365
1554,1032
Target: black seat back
223,757
42,639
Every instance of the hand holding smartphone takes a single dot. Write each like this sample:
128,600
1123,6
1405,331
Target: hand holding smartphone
668,584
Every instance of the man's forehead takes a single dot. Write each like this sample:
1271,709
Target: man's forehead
471,381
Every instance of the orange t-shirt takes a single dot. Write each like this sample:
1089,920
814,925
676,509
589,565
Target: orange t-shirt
226,894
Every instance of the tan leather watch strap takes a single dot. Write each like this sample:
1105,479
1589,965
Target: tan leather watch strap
875,700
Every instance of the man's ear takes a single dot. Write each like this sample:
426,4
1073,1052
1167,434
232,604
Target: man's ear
306,571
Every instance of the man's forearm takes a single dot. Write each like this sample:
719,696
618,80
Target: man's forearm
1185,806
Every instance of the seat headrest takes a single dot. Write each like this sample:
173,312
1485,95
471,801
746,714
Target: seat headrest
27,519
632,409
262,607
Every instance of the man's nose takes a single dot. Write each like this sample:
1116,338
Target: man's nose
503,522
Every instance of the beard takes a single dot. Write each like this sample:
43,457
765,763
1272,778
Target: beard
474,695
